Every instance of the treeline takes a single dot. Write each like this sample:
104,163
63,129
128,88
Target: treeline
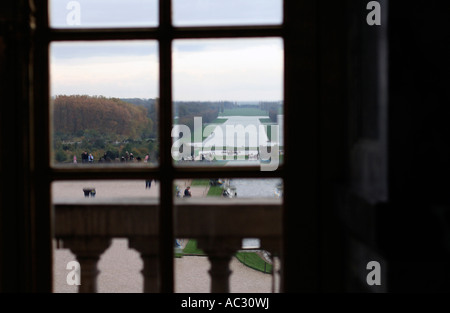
101,125
186,111
272,108
151,106
105,116
114,126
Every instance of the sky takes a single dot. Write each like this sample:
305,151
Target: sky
203,70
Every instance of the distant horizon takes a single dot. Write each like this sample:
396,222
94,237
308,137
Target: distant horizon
244,102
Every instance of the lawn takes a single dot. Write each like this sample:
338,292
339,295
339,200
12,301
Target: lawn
200,182
215,191
254,261
243,112
250,259
219,120
191,248
266,121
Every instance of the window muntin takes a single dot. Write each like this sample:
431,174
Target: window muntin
165,35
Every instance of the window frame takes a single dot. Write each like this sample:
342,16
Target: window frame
166,173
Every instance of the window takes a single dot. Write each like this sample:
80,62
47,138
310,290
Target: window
167,38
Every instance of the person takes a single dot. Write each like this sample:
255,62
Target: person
74,159
84,157
147,157
187,192
148,183
91,158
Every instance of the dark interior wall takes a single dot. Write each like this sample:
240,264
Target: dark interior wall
332,124
365,192
396,208
15,231
420,64
316,125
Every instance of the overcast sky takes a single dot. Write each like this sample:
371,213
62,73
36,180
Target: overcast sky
237,70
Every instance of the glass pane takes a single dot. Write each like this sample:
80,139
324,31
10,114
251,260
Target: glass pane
87,214
227,12
99,191
103,13
104,100
238,217
228,102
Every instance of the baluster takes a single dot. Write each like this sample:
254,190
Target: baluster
148,249
273,245
88,251
220,251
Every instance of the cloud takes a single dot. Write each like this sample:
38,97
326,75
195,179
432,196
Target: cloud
144,13
227,12
105,13
227,69
237,70
96,69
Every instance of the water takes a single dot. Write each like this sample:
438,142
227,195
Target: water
254,188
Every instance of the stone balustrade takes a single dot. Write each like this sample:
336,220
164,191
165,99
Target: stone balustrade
219,225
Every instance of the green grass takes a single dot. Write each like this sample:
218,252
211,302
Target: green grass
200,182
243,112
250,259
219,121
215,191
268,130
266,121
191,248
254,261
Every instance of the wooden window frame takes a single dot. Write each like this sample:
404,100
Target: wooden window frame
299,21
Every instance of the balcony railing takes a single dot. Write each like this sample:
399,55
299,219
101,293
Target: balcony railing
219,225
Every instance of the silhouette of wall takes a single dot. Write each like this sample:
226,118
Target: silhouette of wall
397,205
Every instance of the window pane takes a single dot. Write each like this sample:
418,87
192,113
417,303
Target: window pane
227,12
104,191
245,188
103,13
240,218
228,102
104,100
